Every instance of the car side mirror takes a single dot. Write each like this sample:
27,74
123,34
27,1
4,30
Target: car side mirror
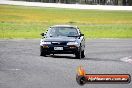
81,34
43,34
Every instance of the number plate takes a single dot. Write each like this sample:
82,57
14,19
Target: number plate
58,48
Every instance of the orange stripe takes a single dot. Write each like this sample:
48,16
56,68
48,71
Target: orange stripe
108,76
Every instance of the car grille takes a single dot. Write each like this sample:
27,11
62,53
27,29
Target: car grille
59,43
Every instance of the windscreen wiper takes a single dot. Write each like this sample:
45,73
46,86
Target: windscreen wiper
72,36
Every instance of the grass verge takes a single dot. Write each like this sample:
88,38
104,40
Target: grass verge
29,22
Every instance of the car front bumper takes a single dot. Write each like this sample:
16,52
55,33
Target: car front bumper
68,49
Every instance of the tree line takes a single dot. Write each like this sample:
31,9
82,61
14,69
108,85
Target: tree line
92,2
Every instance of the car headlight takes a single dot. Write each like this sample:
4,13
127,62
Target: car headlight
72,43
46,42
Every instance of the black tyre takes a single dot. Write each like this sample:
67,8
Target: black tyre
78,54
42,53
82,54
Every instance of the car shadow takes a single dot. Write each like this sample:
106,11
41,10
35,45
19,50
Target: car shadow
101,59
86,58
65,57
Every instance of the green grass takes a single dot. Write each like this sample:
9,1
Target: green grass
29,22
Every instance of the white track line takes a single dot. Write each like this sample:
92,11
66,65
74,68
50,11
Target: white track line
127,59
6,69
72,6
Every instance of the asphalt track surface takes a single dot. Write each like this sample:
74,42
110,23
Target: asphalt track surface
22,67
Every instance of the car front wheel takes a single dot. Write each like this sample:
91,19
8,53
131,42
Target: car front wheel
42,53
82,54
78,54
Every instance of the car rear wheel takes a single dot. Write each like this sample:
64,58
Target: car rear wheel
42,53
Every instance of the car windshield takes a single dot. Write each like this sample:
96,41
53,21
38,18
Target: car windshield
62,31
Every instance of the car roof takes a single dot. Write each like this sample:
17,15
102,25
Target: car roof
64,26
